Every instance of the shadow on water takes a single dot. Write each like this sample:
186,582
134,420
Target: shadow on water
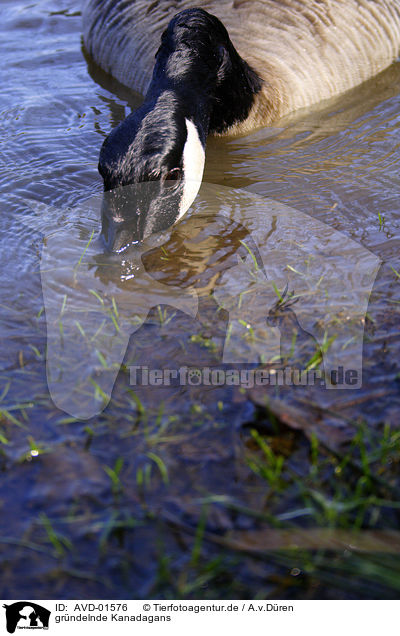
195,490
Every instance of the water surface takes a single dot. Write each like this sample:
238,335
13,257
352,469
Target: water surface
336,163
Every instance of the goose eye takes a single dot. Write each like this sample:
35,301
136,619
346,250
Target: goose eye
172,177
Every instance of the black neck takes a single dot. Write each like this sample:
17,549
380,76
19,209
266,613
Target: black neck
198,63
198,75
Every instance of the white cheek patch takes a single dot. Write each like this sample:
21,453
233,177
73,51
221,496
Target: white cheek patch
193,167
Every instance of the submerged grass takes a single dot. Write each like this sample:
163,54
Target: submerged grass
342,542
326,527
293,518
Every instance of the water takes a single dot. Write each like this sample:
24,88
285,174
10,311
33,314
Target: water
335,165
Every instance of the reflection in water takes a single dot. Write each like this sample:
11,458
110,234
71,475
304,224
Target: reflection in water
95,301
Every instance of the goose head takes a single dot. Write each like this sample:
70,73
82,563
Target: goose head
152,163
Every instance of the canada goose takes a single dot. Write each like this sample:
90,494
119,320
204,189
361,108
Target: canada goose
280,55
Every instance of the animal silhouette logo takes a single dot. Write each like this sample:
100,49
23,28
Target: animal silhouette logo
26,615
91,312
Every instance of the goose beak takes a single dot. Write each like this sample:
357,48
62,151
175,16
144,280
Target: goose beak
123,218
118,236
133,212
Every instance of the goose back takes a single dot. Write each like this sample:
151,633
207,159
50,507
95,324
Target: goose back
304,50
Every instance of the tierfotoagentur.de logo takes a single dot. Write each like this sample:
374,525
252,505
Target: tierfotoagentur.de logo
26,615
